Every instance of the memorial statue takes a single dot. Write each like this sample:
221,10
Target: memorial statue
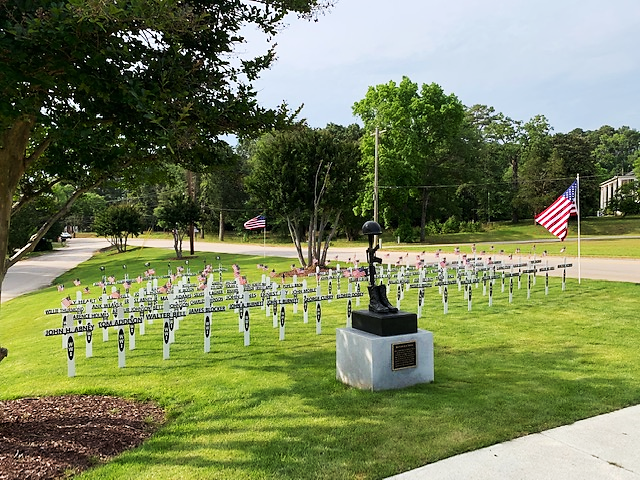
378,301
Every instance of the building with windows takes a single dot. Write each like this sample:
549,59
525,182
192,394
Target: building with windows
609,187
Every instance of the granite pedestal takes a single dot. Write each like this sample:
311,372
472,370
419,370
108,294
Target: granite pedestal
373,362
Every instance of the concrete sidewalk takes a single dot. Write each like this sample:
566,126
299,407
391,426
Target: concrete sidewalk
598,448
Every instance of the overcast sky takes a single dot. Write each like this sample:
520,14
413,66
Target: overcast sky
577,62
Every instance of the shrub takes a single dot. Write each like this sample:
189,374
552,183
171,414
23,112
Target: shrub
117,223
452,225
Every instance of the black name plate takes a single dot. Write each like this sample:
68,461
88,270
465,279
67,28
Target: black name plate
404,355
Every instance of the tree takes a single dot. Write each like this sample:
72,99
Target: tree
539,169
84,211
177,213
222,194
575,152
504,139
617,151
626,200
492,199
117,223
421,127
147,78
307,177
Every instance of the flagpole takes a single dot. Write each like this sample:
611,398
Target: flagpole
578,209
264,242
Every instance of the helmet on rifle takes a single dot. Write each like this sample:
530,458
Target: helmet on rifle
371,228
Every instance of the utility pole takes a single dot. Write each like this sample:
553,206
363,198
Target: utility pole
375,174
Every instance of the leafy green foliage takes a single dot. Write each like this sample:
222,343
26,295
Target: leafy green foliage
417,148
307,177
626,200
92,90
617,151
117,223
177,213
85,209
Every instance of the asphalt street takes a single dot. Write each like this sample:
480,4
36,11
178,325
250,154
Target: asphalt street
38,272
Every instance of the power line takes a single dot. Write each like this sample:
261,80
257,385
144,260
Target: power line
456,185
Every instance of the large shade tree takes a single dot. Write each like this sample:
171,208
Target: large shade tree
422,126
156,76
162,75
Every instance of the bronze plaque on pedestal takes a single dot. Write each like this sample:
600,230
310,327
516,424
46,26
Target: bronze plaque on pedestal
404,355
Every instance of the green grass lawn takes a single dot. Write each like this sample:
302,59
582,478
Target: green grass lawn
275,410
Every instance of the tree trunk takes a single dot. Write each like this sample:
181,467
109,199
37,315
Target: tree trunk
177,243
423,215
13,165
310,242
221,227
330,237
297,241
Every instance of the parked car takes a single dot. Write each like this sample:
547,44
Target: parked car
65,235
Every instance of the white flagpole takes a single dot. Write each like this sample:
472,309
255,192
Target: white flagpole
264,242
578,209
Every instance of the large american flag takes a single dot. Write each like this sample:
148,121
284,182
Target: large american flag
256,222
556,216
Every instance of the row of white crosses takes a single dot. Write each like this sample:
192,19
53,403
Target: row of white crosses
149,304
184,298
466,274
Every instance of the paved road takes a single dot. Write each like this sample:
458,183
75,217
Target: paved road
39,272
623,270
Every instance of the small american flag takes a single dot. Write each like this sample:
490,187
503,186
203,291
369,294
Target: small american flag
256,223
66,302
555,217
77,282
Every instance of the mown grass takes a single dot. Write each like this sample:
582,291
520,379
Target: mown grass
506,236
275,410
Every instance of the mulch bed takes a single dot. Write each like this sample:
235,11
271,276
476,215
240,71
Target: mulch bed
53,437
